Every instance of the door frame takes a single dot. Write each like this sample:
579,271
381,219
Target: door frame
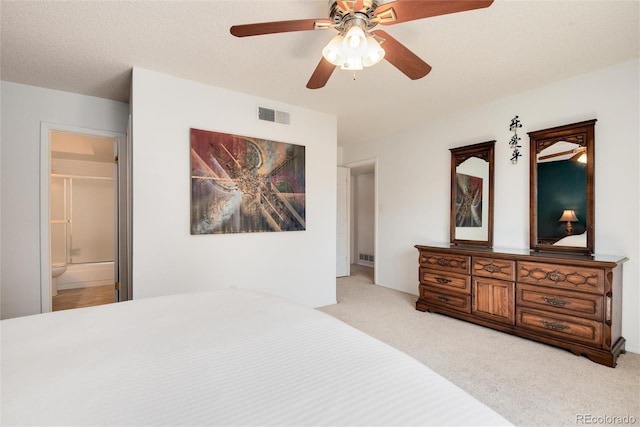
122,240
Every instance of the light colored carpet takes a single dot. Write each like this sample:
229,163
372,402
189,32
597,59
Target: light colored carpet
529,383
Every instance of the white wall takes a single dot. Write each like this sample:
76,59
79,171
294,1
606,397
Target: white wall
413,175
23,108
299,265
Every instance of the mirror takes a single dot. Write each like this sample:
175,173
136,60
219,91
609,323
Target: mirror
561,188
471,220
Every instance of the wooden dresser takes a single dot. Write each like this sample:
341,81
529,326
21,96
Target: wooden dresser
569,301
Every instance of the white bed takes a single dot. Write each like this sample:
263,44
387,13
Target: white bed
578,240
228,357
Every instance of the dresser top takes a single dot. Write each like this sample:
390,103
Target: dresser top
525,254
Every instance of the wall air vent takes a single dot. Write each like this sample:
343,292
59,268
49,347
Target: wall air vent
275,116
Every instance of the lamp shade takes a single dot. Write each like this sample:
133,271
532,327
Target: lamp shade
354,50
568,215
333,51
355,39
582,158
352,63
374,54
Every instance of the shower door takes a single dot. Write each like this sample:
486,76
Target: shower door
59,221
82,219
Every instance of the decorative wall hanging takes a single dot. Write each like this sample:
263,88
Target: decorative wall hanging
468,201
244,185
515,139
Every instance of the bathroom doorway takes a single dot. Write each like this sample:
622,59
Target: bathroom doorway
81,241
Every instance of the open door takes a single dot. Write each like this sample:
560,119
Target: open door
342,228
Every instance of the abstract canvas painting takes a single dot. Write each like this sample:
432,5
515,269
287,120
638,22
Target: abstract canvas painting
468,201
241,184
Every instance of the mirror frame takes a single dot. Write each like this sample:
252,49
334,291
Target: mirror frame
484,151
582,133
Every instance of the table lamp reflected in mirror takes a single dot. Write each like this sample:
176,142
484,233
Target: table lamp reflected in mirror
568,216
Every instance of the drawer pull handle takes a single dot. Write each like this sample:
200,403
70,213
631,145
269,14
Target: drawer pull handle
443,262
554,325
442,280
555,301
491,268
443,299
553,276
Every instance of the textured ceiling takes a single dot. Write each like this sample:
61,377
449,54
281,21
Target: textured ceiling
90,47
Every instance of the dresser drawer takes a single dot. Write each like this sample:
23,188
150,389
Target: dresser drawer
457,302
445,281
562,276
445,262
494,267
565,327
581,304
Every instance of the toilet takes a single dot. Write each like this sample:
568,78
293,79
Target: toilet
56,270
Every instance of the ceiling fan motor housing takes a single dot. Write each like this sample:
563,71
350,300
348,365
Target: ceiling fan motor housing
342,16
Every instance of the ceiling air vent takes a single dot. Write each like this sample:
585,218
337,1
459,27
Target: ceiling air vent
271,115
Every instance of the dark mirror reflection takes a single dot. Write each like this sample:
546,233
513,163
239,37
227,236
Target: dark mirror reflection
561,188
562,193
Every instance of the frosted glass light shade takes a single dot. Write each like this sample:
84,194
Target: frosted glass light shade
333,51
355,36
355,42
354,51
374,54
352,63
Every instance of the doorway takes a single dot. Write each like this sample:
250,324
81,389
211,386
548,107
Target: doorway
81,217
363,219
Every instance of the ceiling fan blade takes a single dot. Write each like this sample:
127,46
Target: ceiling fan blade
410,10
577,151
279,27
343,5
401,57
350,5
321,75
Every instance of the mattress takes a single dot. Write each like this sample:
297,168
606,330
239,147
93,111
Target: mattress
227,358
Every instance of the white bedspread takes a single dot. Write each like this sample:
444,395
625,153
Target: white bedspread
228,357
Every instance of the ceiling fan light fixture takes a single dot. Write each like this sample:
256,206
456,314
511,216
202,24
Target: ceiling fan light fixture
374,54
355,38
355,42
333,53
352,63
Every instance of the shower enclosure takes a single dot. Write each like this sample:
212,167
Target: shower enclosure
82,219
83,223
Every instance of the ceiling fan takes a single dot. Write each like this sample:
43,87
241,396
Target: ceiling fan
576,154
357,44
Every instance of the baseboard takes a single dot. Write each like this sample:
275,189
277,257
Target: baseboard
365,263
